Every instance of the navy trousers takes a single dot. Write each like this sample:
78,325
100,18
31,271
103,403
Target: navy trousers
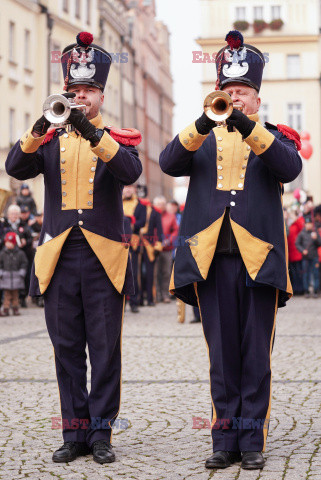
239,325
82,307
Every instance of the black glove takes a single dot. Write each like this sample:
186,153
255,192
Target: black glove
41,126
82,124
241,122
204,124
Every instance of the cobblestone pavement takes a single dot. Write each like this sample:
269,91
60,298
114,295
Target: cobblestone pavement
165,385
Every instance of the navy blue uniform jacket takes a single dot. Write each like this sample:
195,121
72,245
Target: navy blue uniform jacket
245,175
83,187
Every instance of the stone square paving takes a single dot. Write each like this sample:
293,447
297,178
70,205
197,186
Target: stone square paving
165,385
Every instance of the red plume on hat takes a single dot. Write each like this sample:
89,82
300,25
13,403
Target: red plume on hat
84,39
235,39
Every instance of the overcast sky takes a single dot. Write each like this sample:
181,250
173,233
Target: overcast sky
183,21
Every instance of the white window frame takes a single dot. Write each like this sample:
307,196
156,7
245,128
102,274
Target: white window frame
239,17
255,9
293,70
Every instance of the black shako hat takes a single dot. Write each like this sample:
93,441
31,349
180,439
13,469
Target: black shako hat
239,62
84,63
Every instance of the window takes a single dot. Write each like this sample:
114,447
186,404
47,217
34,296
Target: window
11,41
295,116
11,126
258,13
276,12
264,113
293,66
65,5
88,19
27,49
77,9
27,121
55,65
240,13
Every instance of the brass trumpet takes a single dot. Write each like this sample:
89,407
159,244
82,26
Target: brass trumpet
218,106
57,109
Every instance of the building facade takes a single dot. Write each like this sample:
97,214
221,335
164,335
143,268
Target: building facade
34,35
287,32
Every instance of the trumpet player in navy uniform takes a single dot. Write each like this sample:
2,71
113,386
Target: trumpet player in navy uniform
234,262
135,211
82,265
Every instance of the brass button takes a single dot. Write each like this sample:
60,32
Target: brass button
233,192
219,139
248,147
63,182
246,157
66,135
220,158
101,150
191,135
244,167
63,205
93,169
263,145
108,156
80,211
94,159
64,194
220,149
80,222
219,167
232,204
62,170
63,149
91,180
220,185
185,141
240,185
256,139
89,203
126,245
270,247
242,176
220,177
63,161
90,192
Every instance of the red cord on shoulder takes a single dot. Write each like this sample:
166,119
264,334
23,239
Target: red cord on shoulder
291,134
52,132
126,136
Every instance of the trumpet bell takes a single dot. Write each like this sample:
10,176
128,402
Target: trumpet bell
56,109
218,106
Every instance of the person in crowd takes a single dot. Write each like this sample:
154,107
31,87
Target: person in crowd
151,237
307,243
135,211
165,258
295,225
13,269
25,199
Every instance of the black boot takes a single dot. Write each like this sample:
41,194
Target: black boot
103,452
134,309
252,460
222,459
70,451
